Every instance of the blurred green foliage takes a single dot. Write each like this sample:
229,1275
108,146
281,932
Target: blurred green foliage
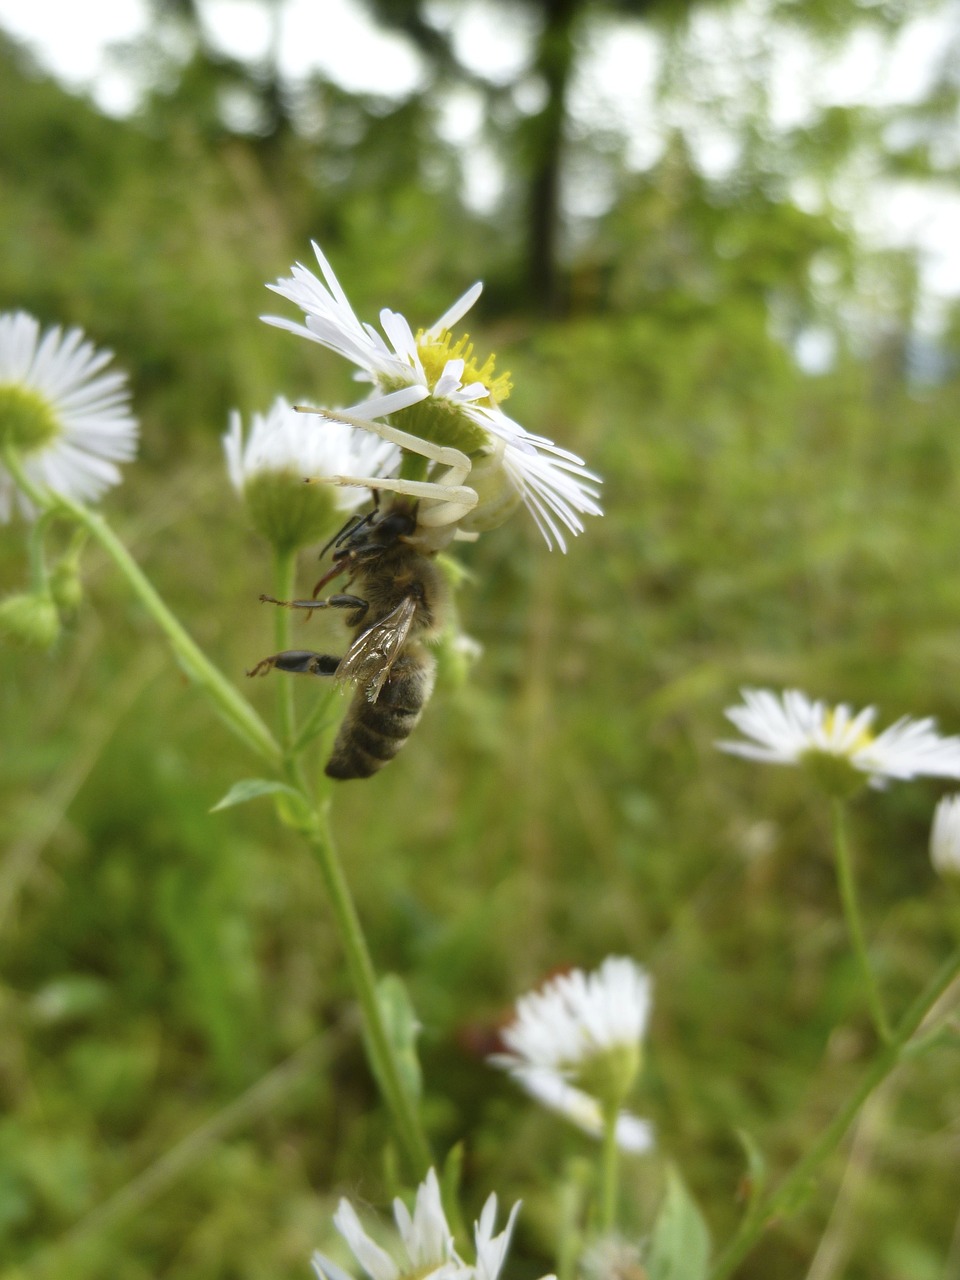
182,1087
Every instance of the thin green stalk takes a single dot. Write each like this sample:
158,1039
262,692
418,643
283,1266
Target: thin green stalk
39,575
379,1046
789,1194
247,724
315,721
234,708
851,909
285,563
610,1171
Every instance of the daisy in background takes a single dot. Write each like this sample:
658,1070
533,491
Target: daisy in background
267,466
427,1250
576,1045
945,837
65,421
840,751
438,391
837,745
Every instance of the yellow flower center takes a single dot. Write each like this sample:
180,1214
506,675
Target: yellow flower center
435,351
863,739
421,1272
442,420
27,420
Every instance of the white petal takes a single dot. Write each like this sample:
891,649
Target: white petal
456,313
326,1269
491,1249
375,1261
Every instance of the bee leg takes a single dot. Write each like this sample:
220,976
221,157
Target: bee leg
331,602
299,662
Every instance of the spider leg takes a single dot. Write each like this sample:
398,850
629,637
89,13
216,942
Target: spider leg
443,455
453,501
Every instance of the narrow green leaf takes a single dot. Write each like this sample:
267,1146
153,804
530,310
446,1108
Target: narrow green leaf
680,1242
402,1028
251,789
755,1177
451,1173
451,1176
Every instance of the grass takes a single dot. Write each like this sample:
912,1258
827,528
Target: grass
184,1092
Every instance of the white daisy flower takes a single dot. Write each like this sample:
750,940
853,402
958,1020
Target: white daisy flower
575,1045
426,1241
269,464
945,837
68,422
455,402
837,744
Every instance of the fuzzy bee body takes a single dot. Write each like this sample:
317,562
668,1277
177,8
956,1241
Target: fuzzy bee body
373,732
400,603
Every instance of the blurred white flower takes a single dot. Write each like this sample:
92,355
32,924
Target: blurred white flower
464,410
837,744
68,423
945,837
612,1257
575,1045
426,1241
550,1089
282,449
283,440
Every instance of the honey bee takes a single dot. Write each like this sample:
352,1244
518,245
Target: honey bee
400,605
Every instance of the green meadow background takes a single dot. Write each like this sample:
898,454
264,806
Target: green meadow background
183,1092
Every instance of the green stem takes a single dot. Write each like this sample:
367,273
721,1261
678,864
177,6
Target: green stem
379,1046
610,1170
233,707
39,575
789,1194
851,909
315,721
285,563
247,724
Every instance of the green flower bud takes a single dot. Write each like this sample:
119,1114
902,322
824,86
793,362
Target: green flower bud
270,463
66,586
289,513
834,774
30,620
610,1075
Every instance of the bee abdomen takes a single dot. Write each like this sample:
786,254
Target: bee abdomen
373,732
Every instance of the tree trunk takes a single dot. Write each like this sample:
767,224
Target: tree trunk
554,63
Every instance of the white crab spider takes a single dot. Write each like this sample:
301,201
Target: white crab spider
447,502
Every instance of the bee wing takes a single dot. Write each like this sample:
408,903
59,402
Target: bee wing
369,659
